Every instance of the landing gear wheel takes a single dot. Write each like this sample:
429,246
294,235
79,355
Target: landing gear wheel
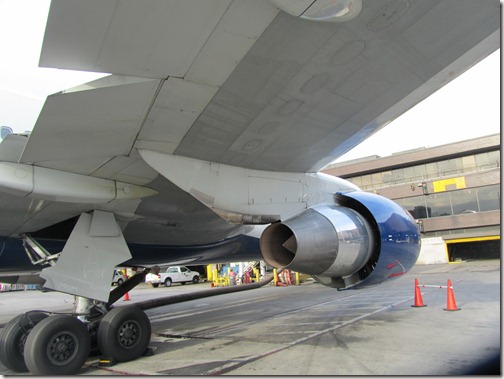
124,333
58,345
13,339
167,282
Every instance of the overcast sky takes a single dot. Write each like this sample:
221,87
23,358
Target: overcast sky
468,107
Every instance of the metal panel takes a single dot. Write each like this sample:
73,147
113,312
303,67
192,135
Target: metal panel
177,106
127,169
150,38
101,122
86,262
236,32
274,191
11,147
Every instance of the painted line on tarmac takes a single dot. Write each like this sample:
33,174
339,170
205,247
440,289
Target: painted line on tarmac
241,362
191,312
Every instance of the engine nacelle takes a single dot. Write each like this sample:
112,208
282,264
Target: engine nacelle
362,239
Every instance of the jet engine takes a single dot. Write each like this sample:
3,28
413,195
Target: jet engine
361,239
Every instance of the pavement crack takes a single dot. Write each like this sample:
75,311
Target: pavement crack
182,336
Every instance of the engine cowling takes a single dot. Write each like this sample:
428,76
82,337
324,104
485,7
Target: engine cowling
361,239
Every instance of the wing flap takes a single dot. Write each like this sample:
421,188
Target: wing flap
178,105
97,123
12,147
152,38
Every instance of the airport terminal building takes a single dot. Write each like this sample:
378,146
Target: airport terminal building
452,191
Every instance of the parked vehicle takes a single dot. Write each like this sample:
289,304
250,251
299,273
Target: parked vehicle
153,279
173,274
119,277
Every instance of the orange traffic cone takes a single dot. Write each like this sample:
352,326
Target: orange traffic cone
126,297
418,296
451,305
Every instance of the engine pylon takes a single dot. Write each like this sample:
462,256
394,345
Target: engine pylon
418,296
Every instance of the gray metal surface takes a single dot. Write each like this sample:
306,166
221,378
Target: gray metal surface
326,240
314,330
308,92
294,94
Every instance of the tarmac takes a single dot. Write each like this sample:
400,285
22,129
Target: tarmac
314,330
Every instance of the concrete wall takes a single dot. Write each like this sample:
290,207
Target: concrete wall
433,251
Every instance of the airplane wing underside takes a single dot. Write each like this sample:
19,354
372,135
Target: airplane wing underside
240,83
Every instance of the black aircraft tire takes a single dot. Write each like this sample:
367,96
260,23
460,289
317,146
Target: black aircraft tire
58,345
124,333
13,339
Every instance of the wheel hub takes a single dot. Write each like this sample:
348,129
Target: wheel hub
129,334
62,348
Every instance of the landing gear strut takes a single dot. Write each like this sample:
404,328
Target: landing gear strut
60,344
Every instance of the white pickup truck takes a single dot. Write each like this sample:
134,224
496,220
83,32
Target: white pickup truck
173,274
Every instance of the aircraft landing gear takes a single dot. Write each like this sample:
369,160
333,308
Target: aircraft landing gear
59,344
13,338
124,334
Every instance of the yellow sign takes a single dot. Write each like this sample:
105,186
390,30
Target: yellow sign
440,185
